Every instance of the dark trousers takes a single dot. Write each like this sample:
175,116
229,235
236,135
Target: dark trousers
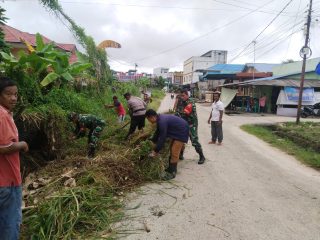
136,121
216,131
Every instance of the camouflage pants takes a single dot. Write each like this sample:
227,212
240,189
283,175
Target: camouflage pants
94,135
193,134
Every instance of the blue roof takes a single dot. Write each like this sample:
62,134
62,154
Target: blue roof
226,68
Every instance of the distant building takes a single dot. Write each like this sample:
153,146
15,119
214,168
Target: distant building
176,78
131,75
161,72
14,38
193,66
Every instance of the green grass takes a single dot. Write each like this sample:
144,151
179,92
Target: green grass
267,133
90,209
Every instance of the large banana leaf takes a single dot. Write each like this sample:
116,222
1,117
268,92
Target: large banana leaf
67,76
77,68
8,57
39,41
51,77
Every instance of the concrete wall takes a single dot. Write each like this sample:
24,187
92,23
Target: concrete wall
190,66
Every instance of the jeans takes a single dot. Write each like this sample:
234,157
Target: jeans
10,212
216,131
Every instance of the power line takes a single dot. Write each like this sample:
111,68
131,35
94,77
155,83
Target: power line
279,42
203,35
263,29
277,34
289,44
167,7
238,6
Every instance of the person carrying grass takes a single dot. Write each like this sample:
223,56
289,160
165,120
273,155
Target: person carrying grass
173,127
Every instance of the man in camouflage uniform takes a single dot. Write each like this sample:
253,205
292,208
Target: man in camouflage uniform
178,105
91,122
186,109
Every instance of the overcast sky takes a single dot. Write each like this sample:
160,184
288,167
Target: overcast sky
164,33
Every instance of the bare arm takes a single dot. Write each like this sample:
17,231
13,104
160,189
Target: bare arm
210,117
109,105
221,114
15,147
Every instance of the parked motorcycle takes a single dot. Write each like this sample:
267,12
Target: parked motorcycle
311,111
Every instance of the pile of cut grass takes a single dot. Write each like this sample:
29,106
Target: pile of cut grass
89,210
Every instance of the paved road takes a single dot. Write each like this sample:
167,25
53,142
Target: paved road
246,190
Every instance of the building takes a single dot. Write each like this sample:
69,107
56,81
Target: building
161,72
14,38
175,78
193,67
131,75
281,89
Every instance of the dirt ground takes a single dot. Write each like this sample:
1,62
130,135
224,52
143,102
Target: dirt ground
246,190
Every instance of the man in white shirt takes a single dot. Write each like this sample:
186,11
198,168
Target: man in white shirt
216,119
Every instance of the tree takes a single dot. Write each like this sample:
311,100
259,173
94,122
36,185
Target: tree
288,61
3,46
144,83
97,57
160,82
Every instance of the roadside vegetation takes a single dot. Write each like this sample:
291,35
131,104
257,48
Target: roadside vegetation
301,141
65,195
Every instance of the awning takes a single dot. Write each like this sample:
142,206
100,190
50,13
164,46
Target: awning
227,96
276,82
286,83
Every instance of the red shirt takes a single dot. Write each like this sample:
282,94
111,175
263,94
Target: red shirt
9,163
120,108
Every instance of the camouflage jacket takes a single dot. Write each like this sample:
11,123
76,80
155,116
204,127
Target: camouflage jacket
87,121
179,107
189,112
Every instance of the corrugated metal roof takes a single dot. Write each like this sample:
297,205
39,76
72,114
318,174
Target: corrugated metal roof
290,68
262,67
12,35
226,68
287,83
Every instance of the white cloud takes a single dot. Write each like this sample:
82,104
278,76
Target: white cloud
145,32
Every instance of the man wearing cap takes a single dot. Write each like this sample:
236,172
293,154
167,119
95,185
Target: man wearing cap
137,111
91,122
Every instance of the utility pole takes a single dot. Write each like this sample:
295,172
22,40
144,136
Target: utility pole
254,57
135,73
304,52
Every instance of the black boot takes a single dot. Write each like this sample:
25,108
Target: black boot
181,155
201,156
170,172
91,152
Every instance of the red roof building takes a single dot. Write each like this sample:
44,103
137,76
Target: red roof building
13,38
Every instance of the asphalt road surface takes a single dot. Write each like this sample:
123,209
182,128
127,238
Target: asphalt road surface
246,190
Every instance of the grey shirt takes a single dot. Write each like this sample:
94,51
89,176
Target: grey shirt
137,106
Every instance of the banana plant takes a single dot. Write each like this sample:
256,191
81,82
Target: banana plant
48,63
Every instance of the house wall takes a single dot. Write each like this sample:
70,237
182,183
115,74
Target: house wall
161,72
190,66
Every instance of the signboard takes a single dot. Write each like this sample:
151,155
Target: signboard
292,94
